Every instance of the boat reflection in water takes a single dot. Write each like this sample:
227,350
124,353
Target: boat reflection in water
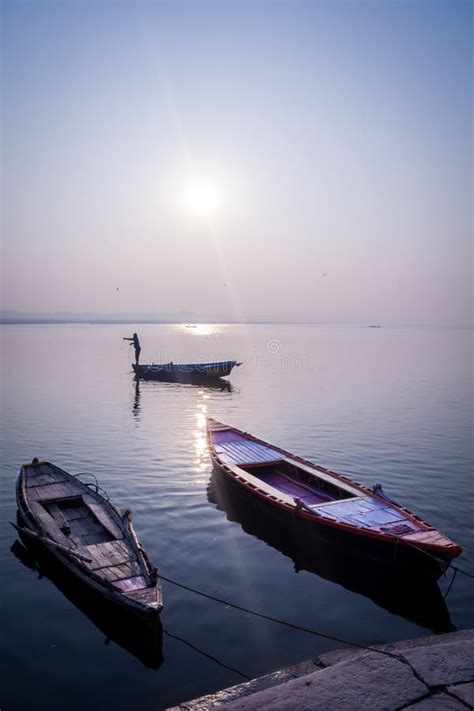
416,598
217,384
140,637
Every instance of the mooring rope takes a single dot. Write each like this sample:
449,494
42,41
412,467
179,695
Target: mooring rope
460,570
441,561
291,625
308,630
450,585
269,618
209,656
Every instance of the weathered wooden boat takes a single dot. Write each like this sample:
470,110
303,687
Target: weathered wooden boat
340,509
75,523
185,372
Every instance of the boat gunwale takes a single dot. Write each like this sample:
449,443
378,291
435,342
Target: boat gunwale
449,550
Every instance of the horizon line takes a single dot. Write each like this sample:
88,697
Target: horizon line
110,321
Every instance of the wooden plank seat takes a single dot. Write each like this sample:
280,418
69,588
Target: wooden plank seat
43,480
56,490
43,473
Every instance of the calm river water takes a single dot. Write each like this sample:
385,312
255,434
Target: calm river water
393,406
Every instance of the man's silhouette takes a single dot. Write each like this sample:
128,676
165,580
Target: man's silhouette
136,345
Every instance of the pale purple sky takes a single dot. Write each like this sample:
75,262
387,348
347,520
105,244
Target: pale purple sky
220,157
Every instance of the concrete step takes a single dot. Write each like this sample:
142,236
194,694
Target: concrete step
430,674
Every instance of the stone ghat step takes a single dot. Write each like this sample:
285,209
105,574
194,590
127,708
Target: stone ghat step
434,673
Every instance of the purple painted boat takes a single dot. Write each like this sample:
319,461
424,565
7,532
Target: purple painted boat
78,527
336,506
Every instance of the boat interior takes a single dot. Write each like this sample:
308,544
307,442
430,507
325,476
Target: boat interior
70,514
283,478
76,520
295,481
323,495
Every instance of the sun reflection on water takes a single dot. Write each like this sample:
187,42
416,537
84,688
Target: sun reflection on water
200,329
200,440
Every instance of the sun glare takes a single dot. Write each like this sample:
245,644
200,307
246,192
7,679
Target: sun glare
203,200
200,329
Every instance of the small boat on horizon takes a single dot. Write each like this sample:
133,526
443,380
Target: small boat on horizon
338,508
76,525
185,372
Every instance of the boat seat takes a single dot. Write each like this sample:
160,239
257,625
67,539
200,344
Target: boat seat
53,491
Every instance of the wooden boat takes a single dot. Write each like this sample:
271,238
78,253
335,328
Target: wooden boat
185,372
76,524
339,508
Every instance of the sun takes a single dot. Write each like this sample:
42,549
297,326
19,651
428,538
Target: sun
203,200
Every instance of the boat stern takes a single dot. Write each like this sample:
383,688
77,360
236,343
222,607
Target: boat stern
434,543
146,601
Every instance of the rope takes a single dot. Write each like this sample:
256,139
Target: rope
209,656
459,570
450,585
440,560
291,625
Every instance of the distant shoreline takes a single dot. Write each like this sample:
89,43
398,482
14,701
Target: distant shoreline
31,321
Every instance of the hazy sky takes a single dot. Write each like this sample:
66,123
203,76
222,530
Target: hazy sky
220,157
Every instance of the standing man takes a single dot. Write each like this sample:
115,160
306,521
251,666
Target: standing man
136,345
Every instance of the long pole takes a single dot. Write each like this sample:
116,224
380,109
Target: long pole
65,549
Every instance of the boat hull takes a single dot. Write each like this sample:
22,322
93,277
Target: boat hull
185,372
412,595
317,533
139,635
31,534
92,590
333,507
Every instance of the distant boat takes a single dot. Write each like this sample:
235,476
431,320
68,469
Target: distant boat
79,528
185,372
338,508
